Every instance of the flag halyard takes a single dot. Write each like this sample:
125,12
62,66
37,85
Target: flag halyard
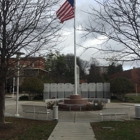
66,11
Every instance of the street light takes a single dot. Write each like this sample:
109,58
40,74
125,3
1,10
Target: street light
13,85
17,97
136,89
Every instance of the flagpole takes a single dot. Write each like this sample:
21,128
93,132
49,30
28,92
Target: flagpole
75,63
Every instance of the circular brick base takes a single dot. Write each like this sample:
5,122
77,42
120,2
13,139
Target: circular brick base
75,100
75,96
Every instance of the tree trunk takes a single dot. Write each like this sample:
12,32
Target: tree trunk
2,101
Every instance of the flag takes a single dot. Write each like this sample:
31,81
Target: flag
66,11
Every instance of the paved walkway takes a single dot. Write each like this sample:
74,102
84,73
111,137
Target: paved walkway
72,125
72,131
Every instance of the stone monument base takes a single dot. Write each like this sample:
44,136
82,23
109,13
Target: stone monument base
75,102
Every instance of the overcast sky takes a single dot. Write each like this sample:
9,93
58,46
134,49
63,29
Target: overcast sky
68,29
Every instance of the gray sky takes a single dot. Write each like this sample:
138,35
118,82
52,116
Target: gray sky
68,31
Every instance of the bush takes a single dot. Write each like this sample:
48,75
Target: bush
114,98
38,97
97,106
121,86
130,98
51,104
33,86
89,107
24,98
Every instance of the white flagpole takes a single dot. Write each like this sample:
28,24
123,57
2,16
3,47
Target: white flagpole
75,63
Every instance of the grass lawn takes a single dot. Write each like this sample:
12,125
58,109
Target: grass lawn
133,99
26,129
117,130
129,99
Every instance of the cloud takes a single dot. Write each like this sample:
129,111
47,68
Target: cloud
83,42
80,39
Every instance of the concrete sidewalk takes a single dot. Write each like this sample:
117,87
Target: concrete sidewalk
72,131
75,125
72,125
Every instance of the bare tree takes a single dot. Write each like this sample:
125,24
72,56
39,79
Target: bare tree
27,26
117,20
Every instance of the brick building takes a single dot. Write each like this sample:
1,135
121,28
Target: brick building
98,69
102,69
32,66
133,75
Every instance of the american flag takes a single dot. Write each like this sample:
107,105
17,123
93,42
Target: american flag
66,11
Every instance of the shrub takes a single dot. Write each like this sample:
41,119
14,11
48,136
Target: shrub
114,98
121,86
38,97
97,106
24,98
89,107
51,104
33,86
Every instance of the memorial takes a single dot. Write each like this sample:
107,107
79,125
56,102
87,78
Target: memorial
76,102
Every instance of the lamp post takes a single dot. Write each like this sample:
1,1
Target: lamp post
17,96
136,90
13,85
